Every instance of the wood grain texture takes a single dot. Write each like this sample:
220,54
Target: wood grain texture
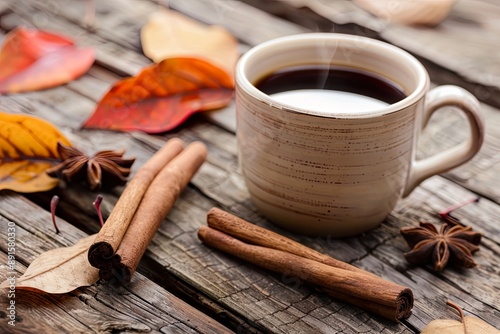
94,88
247,298
142,306
464,42
346,17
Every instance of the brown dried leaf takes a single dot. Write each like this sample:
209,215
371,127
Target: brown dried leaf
170,34
421,12
59,270
468,325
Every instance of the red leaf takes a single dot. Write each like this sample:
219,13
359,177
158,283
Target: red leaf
163,96
33,59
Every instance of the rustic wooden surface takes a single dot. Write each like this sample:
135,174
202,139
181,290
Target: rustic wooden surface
142,306
466,42
234,294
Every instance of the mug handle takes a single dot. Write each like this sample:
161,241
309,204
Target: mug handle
437,98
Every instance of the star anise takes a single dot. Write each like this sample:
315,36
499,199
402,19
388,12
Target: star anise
453,244
107,168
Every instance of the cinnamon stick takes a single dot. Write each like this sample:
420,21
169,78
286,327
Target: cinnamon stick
278,253
251,233
400,307
111,234
156,204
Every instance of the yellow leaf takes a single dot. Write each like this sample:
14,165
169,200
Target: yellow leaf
28,146
171,34
59,270
25,176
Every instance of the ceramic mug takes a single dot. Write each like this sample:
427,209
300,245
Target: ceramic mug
340,174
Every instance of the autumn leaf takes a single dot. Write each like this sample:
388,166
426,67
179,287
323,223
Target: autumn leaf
59,270
428,13
163,96
466,325
170,34
28,146
33,59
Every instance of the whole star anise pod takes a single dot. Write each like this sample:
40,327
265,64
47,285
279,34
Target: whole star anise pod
453,244
107,168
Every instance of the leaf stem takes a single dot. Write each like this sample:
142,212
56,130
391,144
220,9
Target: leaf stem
456,307
446,213
97,204
53,205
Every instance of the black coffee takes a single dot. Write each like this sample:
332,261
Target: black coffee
330,89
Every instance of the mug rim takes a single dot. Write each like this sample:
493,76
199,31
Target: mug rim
416,95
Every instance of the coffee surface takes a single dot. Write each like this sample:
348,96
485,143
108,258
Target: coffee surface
330,89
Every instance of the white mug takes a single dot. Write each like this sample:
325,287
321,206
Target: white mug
340,173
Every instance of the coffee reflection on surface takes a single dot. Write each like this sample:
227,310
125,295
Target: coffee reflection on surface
330,89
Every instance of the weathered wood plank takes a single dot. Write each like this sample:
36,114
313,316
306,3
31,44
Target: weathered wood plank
346,17
481,175
224,277
465,42
181,241
118,22
121,20
459,285
76,202
142,306
108,53
33,307
274,303
227,190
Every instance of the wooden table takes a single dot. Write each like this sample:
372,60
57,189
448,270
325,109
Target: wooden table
184,287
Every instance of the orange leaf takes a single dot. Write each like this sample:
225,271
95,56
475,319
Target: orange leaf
28,146
163,96
32,59
170,34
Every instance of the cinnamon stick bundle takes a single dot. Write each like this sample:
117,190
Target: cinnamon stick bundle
141,208
157,202
111,234
274,252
